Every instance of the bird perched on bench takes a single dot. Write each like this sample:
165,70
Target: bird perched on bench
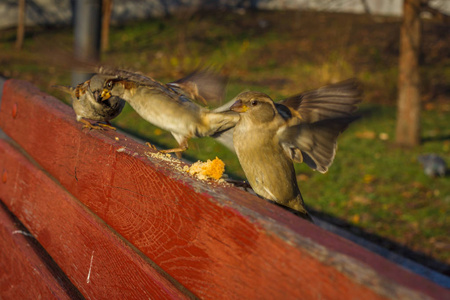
270,136
87,104
170,106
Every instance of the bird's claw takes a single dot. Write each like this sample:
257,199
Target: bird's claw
88,125
93,127
107,126
178,151
151,146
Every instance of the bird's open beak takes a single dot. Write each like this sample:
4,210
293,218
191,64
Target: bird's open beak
105,95
239,107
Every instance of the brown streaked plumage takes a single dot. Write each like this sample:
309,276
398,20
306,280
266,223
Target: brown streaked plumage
169,106
270,136
86,102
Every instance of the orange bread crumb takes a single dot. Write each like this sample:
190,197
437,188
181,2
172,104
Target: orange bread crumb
205,170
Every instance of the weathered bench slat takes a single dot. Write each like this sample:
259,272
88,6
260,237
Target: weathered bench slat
99,263
217,241
24,274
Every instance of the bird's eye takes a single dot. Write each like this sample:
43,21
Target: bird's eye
254,103
109,84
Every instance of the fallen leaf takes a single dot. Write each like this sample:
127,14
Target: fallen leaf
370,135
361,199
368,178
302,177
383,136
356,218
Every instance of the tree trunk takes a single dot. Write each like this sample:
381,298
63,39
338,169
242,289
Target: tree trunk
408,115
21,24
106,19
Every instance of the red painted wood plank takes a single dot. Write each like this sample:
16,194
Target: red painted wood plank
99,262
217,241
24,274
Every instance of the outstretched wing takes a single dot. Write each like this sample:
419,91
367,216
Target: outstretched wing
135,77
316,119
314,143
202,85
332,101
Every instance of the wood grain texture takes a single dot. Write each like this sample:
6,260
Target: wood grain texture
99,263
217,241
24,274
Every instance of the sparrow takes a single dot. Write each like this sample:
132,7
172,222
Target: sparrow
204,86
87,104
170,106
269,137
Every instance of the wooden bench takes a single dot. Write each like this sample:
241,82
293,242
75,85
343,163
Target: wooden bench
89,214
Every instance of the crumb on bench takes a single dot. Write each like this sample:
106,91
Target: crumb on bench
211,169
205,170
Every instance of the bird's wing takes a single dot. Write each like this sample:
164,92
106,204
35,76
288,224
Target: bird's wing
201,85
314,120
332,101
218,122
313,143
128,75
222,121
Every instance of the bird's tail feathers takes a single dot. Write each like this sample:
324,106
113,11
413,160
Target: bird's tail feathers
63,88
296,207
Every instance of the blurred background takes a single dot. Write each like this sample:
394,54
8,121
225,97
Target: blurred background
398,49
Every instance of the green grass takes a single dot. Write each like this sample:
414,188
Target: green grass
382,188
372,183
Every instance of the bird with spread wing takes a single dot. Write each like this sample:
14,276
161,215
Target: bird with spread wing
170,106
270,137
